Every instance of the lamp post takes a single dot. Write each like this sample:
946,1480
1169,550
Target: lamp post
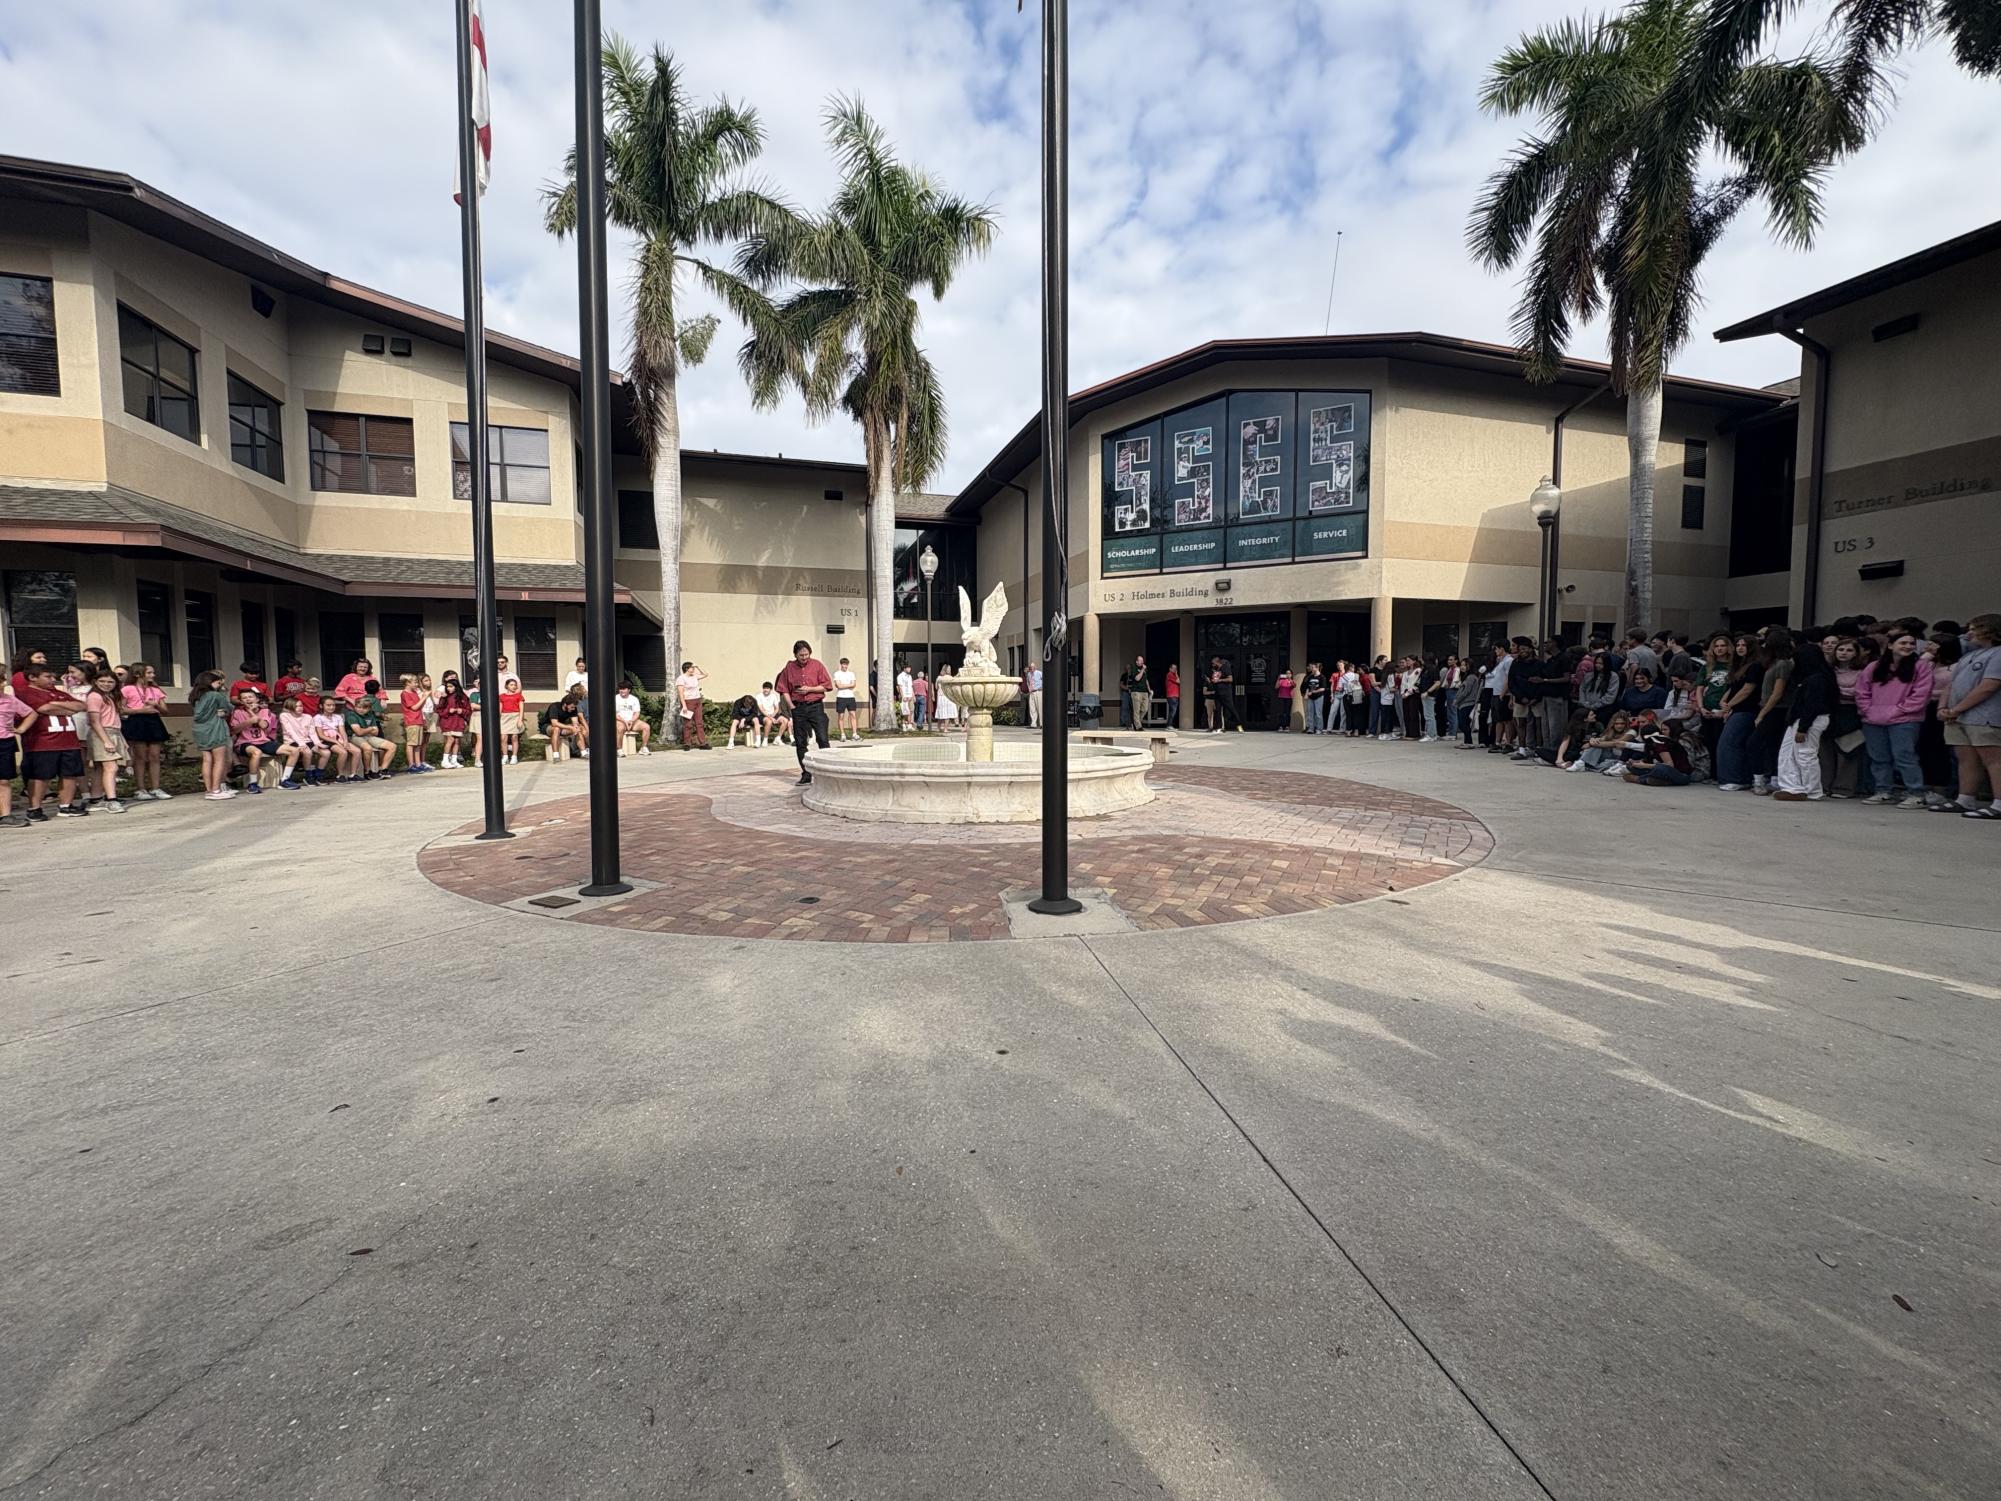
1545,501
927,564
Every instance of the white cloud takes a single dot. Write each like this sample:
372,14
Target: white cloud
1215,152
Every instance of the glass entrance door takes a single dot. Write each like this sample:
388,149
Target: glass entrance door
1256,649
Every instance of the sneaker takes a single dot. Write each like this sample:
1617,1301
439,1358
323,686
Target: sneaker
1757,791
645,750
253,787
160,795
289,785
1879,797
36,815
1788,797
220,795
805,779
1576,766
1614,771
1914,801
1739,787
110,805
71,810
15,821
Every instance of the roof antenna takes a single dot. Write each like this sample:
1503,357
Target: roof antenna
1328,322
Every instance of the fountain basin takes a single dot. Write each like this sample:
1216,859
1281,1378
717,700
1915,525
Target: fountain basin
929,780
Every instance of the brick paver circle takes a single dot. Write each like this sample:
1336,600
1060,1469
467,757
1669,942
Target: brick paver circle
740,857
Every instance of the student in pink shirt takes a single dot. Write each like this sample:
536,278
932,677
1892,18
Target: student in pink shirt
342,753
255,735
107,750
15,718
300,744
145,730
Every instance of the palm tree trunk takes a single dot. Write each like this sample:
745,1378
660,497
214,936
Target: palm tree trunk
1643,438
667,523
882,540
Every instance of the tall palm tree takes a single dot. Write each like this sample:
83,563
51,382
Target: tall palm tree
1609,207
847,340
672,179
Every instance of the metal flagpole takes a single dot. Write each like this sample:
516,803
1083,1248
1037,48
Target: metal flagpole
486,610
600,622
1055,896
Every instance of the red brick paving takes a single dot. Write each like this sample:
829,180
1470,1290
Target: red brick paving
1219,845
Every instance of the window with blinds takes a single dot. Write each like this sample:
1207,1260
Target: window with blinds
357,455
28,336
517,463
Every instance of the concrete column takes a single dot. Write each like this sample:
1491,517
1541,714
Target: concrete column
1382,636
1093,674
1296,660
1190,697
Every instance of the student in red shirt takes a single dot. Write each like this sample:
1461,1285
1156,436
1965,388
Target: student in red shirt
510,719
253,679
53,749
293,680
802,683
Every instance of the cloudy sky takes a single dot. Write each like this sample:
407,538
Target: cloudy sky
1217,149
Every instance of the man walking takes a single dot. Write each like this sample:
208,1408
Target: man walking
1033,681
1135,684
688,693
801,684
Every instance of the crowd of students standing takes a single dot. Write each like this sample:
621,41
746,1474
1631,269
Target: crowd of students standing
1886,711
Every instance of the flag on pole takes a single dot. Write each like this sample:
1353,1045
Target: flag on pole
482,106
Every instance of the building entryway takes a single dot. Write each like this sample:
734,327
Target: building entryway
1256,648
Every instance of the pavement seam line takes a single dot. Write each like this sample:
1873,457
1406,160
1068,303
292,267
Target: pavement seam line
1710,894
1327,1231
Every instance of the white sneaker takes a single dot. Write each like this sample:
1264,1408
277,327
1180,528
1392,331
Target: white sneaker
1615,771
1739,787
111,805
1576,766
621,753
1879,797
645,750
160,795
1914,802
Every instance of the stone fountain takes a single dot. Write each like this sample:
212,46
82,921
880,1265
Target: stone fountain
937,779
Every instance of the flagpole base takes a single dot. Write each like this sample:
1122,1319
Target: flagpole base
1056,906
494,834
609,888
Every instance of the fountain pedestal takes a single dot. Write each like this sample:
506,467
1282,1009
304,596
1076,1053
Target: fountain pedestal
979,697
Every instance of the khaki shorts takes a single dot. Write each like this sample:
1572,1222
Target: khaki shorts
1972,734
413,734
107,745
370,742
510,724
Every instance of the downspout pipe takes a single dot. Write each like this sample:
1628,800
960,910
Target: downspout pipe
1817,481
1549,626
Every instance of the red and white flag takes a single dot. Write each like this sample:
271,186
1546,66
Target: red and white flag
482,106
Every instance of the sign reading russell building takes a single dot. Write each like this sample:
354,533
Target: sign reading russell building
1241,479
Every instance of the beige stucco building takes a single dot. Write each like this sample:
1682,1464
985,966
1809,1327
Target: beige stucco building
1280,501
211,453
1896,505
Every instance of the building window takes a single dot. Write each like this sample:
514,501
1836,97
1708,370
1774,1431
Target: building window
201,631
535,650
644,657
342,641
41,611
256,438
253,636
517,464
954,546
28,336
1692,499
636,526
159,375
156,628
287,626
355,455
402,647
1695,459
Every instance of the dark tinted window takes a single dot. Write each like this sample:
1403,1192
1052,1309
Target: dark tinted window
201,631
41,613
256,438
402,648
535,650
517,464
156,628
159,373
636,526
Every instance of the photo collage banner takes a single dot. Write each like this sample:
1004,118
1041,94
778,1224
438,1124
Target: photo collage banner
1252,477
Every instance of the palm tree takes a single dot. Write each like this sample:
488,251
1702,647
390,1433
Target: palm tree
1609,207
672,179
848,339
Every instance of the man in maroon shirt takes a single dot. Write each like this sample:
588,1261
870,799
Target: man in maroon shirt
802,683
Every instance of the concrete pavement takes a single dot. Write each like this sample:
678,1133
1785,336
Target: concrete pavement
1597,1171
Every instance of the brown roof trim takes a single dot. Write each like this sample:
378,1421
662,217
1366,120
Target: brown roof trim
1415,345
119,196
1966,247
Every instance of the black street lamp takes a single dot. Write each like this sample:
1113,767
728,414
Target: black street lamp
1545,501
927,564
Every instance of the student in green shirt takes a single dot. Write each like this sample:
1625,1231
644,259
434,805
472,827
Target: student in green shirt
364,728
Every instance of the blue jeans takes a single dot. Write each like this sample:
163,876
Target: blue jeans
1316,715
1893,743
1451,717
1733,751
